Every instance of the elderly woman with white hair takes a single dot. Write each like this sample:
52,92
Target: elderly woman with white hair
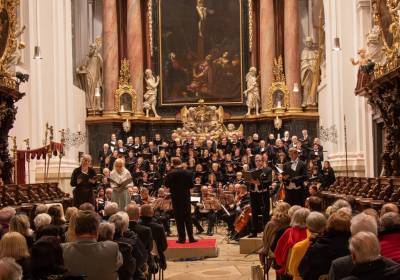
120,181
368,263
296,233
83,179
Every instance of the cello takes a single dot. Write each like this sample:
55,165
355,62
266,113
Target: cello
243,219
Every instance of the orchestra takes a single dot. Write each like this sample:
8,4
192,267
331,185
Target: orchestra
220,192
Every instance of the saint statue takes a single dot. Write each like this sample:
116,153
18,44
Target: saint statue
252,92
309,68
15,58
150,96
375,45
90,75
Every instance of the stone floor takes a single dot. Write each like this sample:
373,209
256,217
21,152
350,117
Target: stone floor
228,265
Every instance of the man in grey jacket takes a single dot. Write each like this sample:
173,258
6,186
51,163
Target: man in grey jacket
86,256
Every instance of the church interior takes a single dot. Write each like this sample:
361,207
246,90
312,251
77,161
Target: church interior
199,139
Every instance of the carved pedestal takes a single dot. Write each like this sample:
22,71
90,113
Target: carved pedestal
8,97
383,95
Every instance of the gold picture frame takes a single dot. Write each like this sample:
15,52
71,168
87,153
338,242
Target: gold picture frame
162,64
125,95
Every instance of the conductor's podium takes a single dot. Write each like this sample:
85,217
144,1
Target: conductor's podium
250,245
204,248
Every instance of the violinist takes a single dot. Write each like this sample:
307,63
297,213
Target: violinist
203,212
162,214
145,197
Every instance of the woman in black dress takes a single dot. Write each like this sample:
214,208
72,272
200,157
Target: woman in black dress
327,177
84,180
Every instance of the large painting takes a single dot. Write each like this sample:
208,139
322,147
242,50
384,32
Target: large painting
200,51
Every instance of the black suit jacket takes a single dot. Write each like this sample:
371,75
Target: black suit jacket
179,182
297,176
144,234
159,237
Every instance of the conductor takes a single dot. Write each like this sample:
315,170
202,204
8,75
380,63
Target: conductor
179,182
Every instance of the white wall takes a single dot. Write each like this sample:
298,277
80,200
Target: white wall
338,99
50,94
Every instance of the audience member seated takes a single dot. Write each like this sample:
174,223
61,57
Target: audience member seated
124,236
389,207
297,232
158,233
128,267
5,216
20,223
87,207
9,269
69,213
70,233
13,245
369,265
143,232
109,210
314,203
47,260
343,266
327,247
279,220
86,256
316,223
41,220
40,208
389,237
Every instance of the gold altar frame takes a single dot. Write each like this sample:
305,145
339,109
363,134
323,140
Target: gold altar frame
9,43
241,102
275,87
124,87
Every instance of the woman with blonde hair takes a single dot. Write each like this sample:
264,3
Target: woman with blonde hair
70,233
20,223
13,245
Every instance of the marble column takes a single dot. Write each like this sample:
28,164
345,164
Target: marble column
110,53
291,51
267,49
135,50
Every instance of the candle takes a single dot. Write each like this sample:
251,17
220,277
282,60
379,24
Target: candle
79,127
122,108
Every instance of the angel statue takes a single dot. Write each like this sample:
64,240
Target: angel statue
150,96
252,93
90,75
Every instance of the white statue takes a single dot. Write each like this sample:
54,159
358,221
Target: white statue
375,45
90,76
309,58
15,58
150,97
252,92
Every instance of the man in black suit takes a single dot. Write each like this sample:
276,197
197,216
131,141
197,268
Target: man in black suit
157,231
296,174
142,231
259,196
179,182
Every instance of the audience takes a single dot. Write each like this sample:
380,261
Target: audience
295,233
20,223
343,266
327,247
389,237
315,223
13,245
368,263
86,256
10,270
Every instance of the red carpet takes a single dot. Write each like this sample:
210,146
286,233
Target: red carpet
202,243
